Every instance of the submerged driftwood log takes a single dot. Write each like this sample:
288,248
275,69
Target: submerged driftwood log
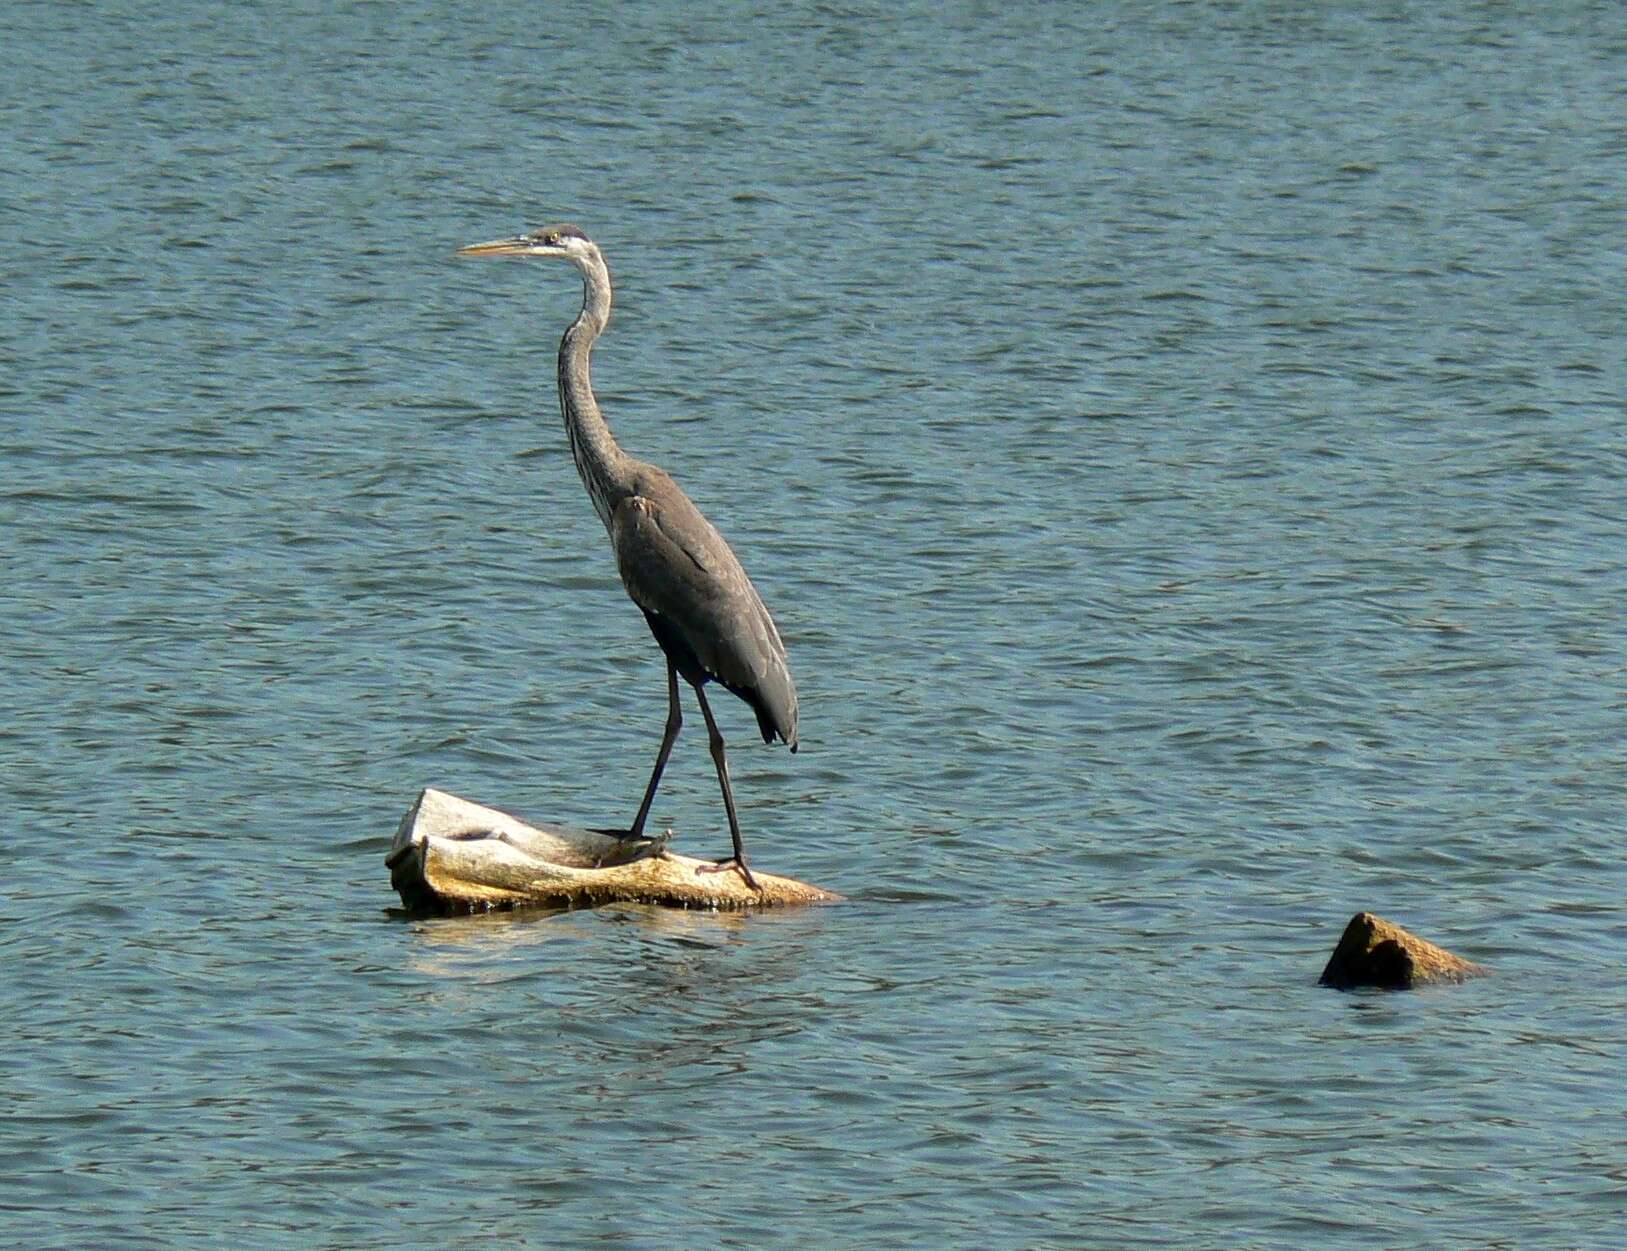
1376,952
453,855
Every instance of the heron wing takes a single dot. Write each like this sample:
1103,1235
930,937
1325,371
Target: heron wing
679,569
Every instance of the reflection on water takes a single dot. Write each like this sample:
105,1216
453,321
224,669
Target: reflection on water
469,946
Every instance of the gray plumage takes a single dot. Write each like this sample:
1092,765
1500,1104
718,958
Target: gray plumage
700,605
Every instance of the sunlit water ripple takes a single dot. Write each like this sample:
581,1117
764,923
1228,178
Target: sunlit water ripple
1183,450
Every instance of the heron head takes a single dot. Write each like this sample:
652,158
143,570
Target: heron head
564,241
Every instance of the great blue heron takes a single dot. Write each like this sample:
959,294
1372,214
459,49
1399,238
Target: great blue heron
701,607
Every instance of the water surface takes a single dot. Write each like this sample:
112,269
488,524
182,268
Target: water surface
1183,451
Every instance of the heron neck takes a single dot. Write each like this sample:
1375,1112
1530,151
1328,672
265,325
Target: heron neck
594,449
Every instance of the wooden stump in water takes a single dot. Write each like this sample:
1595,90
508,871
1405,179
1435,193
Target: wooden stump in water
1375,952
453,855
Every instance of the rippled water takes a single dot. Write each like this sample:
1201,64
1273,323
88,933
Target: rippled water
1184,450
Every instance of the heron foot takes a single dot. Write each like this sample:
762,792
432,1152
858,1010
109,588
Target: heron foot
630,836
734,862
633,847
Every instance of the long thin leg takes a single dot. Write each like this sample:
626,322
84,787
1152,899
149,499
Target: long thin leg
675,722
715,738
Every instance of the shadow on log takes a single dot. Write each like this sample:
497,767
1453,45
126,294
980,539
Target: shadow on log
451,855
1375,952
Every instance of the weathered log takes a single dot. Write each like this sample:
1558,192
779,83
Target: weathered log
453,855
1376,952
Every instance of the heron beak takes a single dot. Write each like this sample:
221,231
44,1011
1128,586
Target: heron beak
517,246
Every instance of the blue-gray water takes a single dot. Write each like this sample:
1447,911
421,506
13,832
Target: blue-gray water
1183,447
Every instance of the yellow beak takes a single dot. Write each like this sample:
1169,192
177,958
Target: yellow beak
499,247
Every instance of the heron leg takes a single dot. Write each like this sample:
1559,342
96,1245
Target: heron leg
675,722
715,741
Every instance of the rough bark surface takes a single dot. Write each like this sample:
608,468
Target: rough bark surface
453,855
1376,952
